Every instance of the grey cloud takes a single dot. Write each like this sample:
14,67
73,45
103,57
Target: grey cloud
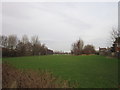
58,25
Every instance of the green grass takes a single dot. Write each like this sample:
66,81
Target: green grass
89,71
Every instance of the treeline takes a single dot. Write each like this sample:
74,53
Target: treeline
12,46
78,48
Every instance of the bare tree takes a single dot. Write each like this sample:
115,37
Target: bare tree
3,40
35,40
115,33
25,39
115,36
36,45
12,41
77,47
43,49
23,47
89,49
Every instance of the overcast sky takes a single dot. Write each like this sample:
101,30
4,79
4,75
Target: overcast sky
59,24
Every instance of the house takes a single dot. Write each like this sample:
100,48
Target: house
49,51
102,51
105,51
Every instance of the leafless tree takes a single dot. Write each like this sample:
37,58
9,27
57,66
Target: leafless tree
12,41
36,45
77,47
23,47
25,39
115,36
89,49
35,40
115,33
3,40
43,49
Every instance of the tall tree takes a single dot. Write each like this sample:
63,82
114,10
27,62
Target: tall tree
35,40
12,41
77,47
115,33
43,49
36,45
115,36
89,49
20,49
25,39
3,40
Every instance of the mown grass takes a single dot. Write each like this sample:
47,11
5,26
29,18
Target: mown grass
89,71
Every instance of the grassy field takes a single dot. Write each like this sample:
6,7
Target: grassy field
89,71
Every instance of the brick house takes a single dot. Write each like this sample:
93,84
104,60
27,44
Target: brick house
102,51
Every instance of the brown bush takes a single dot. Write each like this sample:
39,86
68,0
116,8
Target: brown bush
14,78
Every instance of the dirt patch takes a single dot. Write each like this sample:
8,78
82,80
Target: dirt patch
14,78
